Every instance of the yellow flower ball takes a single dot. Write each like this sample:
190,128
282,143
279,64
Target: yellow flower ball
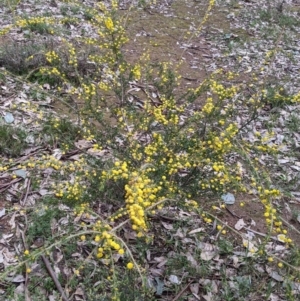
130,265
99,255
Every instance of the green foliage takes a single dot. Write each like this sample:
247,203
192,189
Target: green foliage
61,132
40,226
293,123
19,63
280,18
12,140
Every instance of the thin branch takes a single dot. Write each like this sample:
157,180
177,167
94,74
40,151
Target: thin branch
289,224
27,296
54,278
182,291
24,197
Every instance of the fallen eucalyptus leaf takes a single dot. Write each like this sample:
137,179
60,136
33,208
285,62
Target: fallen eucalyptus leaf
174,279
228,198
240,224
9,118
21,173
197,231
272,273
19,278
159,286
2,212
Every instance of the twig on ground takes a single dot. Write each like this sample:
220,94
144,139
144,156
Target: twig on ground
182,291
289,224
54,278
232,213
262,234
24,197
5,186
27,296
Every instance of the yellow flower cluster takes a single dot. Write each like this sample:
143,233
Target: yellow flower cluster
89,90
206,219
109,24
110,30
107,242
157,145
81,209
51,56
50,161
295,98
3,168
120,171
34,20
140,194
104,86
53,72
5,30
72,54
136,71
221,91
166,113
208,107
270,213
71,191
37,23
